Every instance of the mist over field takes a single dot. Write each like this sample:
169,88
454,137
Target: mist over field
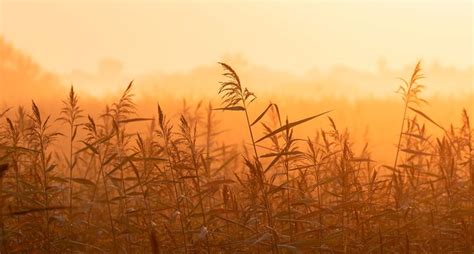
371,96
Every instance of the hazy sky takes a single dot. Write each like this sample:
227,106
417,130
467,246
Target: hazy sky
295,36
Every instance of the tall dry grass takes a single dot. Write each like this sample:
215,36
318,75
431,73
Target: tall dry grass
174,186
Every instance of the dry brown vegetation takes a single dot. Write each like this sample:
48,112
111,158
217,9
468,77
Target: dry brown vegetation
174,187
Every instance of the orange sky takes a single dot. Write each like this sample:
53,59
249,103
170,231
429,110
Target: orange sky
291,36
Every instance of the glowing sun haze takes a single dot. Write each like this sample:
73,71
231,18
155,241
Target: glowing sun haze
293,36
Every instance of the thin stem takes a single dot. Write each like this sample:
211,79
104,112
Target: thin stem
109,210
265,197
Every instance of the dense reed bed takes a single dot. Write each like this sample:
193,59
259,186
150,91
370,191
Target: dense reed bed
176,186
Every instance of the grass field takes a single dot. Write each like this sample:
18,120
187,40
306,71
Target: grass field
176,186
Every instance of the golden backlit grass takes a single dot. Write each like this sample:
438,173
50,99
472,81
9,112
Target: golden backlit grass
175,187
